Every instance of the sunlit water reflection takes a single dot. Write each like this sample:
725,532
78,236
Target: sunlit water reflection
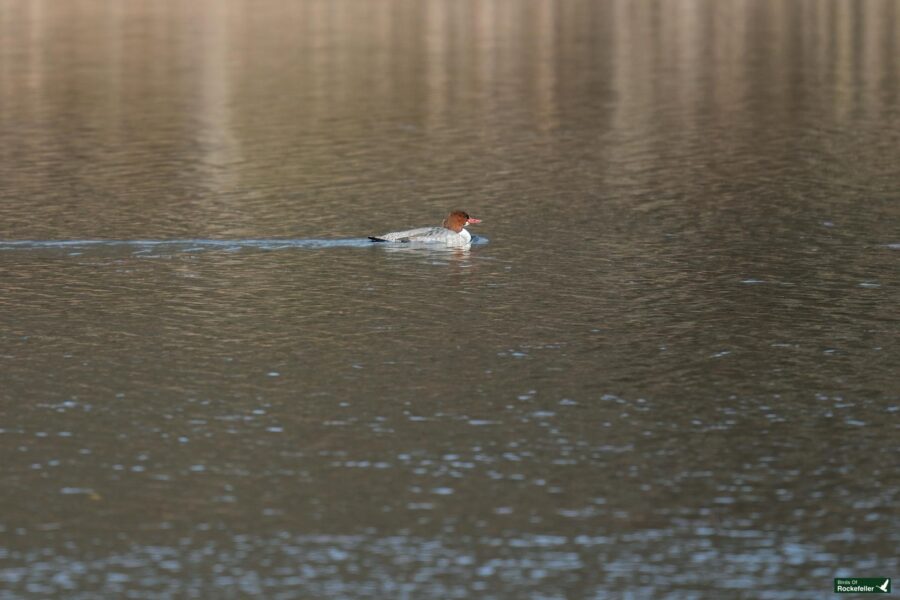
672,371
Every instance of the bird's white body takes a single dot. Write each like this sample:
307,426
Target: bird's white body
430,235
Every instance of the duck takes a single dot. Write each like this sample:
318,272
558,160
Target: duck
452,232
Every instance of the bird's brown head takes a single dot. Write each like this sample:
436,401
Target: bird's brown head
458,219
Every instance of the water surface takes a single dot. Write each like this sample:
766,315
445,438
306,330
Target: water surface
671,372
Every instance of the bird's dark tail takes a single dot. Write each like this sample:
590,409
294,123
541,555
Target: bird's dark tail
376,239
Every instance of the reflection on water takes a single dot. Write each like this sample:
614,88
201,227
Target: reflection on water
677,355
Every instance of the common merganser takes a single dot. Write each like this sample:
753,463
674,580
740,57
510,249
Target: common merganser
451,233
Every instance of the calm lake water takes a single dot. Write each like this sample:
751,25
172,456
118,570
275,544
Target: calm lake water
668,369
